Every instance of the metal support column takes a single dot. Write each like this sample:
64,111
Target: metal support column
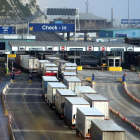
74,56
85,36
68,36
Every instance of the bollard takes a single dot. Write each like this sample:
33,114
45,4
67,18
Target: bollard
102,69
113,72
126,74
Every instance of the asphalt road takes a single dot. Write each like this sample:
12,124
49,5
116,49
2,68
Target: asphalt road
134,90
108,86
32,118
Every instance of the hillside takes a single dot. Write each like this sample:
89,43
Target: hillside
20,8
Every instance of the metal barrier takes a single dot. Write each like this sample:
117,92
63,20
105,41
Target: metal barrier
6,110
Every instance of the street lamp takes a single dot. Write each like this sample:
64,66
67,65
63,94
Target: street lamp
44,13
23,24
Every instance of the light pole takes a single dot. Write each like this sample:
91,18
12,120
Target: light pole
44,13
23,24
128,13
87,3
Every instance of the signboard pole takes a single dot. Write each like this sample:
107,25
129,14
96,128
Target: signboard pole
75,29
28,28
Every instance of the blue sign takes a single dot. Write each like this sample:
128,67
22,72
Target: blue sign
121,35
7,29
58,22
131,21
52,27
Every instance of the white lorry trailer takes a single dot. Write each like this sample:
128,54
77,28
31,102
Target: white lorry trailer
82,90
106,130
29,64
83,120
71,82
100,102
45,80
71,105
51,92
60,100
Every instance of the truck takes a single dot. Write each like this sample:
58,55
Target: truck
51,59
70,69
29,64
69,74
51,92
84,117
19,59
48,65
40,65
60,64
106,130
51,71
71,82
100,102
60,100
45,80
71,105
82,90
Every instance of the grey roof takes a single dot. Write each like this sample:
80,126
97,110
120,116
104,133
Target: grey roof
107,125
96,97
44,61
77,101
64,92
50,65
49,78
84,16
68,44
52,68
71,65
118,29
57,85
72,79
69,73
70,68
90,111
85,89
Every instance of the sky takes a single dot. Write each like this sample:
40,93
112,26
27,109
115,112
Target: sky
100,8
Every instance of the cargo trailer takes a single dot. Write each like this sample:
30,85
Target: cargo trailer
50,65
71,82
40,65
71,105
60,64
60,100
50,71
29,64
45,80
83,120
69,74
81,90
106,130
19,59
100,102
51,59
51,92
70,69
71,65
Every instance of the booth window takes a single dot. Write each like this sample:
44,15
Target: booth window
117,62
111,62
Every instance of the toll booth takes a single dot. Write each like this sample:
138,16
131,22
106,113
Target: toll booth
103,61
113,63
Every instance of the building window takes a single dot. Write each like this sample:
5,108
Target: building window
92,21
87,21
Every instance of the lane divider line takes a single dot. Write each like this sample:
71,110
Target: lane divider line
130,95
